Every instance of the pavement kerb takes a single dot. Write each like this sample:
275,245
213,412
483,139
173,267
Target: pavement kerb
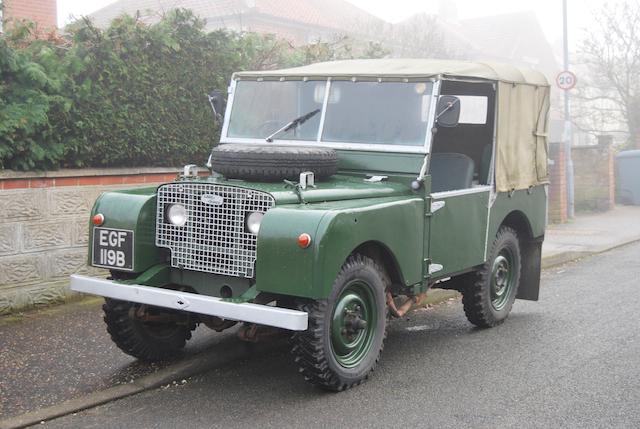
569,256
181,370
204,362
563,257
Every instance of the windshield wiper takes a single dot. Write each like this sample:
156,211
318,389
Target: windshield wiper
297,121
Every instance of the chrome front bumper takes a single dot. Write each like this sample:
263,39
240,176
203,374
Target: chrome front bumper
201,304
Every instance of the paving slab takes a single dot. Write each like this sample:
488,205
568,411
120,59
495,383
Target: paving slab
591,233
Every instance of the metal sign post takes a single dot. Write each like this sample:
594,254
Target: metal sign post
566,81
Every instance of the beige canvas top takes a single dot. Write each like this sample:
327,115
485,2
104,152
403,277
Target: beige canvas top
410,68
523,105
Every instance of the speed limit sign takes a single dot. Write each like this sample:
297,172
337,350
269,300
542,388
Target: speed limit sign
566,80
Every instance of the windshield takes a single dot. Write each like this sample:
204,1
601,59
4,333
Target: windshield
389,113
262,108
380,113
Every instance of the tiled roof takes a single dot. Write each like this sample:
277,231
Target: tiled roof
336,14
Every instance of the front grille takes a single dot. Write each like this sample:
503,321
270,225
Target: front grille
214,238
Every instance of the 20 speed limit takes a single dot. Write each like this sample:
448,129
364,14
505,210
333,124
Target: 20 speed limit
566,80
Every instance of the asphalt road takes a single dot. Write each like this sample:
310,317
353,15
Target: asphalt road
64,352
570,360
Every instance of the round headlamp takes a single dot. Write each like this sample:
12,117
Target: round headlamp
177,214
253,222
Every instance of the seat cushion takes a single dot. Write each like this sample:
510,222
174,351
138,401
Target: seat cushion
450,171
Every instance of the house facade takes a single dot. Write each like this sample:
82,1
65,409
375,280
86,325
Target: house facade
300,21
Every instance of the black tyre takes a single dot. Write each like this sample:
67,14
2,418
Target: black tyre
346,332
488,300
272,163
147,340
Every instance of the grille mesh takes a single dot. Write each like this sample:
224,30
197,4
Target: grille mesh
214,239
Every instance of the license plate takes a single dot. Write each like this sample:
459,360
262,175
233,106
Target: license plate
113,248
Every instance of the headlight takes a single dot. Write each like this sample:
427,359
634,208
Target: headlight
253,222
177,214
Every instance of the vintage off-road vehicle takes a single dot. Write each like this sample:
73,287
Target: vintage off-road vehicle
338,191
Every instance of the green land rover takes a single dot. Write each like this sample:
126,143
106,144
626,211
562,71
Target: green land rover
339,194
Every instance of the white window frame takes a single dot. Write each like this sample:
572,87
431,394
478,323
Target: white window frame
367,147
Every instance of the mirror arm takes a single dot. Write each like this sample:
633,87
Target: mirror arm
217,116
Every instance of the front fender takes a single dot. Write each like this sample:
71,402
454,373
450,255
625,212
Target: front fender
336,229
134,210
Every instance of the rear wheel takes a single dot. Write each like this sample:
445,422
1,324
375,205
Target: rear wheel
346,331
145,332
488,300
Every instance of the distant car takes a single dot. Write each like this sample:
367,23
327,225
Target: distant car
336,188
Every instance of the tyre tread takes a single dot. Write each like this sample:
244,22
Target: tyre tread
121,328
272,163
476,305
307,346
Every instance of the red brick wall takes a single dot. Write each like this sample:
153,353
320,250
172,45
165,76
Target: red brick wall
43,12
558,186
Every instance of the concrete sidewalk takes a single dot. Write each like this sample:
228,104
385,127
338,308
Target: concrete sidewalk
589,234
63,353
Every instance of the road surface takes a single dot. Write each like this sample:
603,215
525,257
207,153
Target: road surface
570,360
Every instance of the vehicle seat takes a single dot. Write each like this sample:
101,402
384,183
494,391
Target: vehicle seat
451,171
485,166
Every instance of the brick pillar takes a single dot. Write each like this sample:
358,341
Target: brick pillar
558,184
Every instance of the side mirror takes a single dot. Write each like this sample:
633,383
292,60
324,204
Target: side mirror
217,103
448,111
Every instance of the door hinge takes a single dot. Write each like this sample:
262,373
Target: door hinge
434,268
437,205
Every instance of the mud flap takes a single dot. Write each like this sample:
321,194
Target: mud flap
531,265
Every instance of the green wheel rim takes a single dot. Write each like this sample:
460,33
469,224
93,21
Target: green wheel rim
353,324
502,279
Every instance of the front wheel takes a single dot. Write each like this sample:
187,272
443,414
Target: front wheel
488,301
346,332
146,332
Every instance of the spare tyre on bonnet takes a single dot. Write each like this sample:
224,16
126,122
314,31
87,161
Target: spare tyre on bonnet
271,163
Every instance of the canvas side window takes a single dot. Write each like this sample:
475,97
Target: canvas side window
473,109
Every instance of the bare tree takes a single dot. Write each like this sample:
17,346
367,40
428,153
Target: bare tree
421,36
609,97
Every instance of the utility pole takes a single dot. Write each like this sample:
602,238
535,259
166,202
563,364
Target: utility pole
568,131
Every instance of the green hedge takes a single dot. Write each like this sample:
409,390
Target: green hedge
130,95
